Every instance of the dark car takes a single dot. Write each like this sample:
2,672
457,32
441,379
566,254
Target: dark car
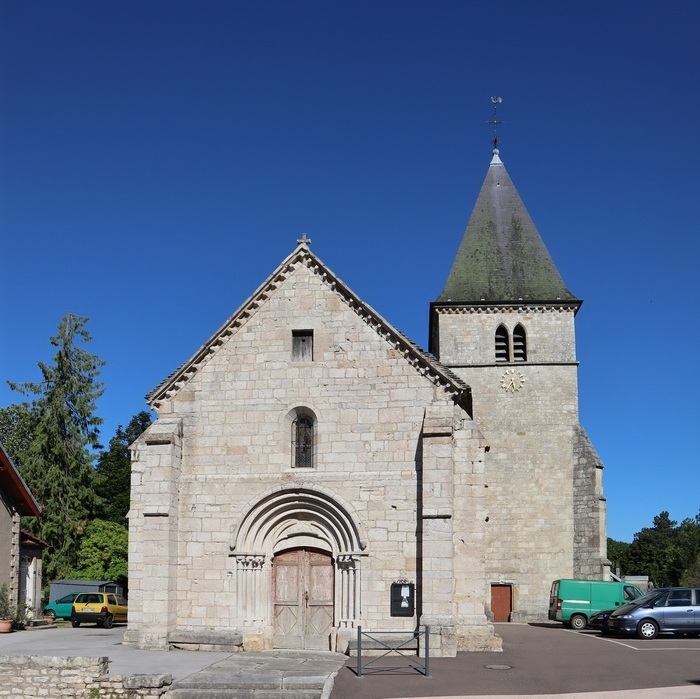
667,610
599,621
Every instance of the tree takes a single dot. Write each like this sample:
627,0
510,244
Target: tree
17,431
656,552
113,471
689,542
103,552
691,576
616,553
58,461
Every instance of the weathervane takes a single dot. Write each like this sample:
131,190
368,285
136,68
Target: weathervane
495,101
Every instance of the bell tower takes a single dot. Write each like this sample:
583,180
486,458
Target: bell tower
504,323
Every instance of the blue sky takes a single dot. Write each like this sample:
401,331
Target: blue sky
160,158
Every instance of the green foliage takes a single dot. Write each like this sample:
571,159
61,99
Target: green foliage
667,552
57,462
616,551
113,471
7,609
103,552
691,576
17,431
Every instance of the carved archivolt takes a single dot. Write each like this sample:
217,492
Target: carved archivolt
300,515
292,518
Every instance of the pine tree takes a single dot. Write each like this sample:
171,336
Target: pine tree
16,430
113,472
58,464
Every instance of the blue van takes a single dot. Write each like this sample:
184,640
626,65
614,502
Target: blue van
666,610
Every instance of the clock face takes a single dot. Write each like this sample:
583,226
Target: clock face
512,381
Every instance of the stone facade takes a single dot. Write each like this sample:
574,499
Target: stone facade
395,486
309,456
540,490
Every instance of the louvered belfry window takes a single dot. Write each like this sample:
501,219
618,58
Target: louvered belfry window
502,349
519,344
303,441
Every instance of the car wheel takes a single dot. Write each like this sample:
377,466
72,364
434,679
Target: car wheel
693,634
578,622
647,629
50,613
74,623
108,622
606,632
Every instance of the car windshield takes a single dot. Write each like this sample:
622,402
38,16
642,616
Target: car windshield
645,599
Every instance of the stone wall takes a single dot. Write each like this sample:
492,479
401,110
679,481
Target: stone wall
590,542
216,496
77,678
544,519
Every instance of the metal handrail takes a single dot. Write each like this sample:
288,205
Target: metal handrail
423,668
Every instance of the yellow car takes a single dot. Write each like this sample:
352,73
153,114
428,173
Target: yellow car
101,608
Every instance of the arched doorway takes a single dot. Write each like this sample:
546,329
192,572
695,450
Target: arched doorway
294,541
303,599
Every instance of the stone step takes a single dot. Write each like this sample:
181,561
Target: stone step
205,641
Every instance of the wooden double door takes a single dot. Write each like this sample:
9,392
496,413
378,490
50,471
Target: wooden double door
302,584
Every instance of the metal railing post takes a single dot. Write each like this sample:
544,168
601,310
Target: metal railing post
427,651
359,651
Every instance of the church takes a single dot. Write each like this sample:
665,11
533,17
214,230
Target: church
311,469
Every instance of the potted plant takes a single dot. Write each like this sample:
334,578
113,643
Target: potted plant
6,610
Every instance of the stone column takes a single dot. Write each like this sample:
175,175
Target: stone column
252,588
153,534
435,530
347,590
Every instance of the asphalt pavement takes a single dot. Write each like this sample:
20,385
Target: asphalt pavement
63,641
543,660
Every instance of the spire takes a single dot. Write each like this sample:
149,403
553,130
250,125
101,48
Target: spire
502,258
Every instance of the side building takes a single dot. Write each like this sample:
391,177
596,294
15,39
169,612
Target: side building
20,552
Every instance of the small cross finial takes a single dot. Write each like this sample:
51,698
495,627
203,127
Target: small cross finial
495,101
304,240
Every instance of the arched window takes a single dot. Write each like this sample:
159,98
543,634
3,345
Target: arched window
303,441
519,344
502,348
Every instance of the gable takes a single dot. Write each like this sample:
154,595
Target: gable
304,295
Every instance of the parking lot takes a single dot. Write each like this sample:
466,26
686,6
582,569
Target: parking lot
544,659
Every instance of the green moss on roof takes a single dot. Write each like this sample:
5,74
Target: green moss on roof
502,257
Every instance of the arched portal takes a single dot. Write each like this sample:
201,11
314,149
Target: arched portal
297,554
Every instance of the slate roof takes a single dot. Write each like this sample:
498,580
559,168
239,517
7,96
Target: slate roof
502,258
422,361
